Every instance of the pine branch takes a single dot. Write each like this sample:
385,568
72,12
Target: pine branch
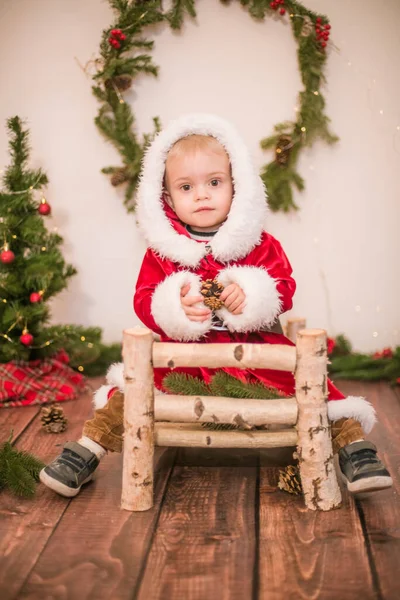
180,383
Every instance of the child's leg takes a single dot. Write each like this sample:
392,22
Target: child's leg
360,466
78,460
107,425
346,431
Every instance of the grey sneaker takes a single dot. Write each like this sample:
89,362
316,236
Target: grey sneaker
69,471
362,471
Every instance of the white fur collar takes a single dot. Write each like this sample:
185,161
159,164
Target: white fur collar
246,221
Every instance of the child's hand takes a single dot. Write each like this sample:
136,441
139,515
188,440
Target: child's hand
233,298
193,313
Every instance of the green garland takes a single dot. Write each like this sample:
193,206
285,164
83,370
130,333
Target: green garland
123,56
19,471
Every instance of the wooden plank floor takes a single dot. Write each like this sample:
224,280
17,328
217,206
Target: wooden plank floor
220,528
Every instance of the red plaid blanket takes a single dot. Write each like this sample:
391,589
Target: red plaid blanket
39,381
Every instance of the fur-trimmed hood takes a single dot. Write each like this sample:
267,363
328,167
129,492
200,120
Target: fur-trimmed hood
242,230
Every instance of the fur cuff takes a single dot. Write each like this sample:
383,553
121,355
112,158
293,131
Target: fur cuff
262,304
115,378
353,407
167,310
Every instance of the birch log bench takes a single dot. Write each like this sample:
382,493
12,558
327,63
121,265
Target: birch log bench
173,420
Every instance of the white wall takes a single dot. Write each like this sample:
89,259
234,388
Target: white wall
343,243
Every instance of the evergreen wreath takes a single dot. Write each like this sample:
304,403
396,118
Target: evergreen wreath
124,55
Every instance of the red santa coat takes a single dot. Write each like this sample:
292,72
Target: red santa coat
240,252
265,273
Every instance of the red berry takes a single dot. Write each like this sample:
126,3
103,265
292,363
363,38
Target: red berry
323,44
327,26
116,32
326,35
122,37
319,20
273,5
282,11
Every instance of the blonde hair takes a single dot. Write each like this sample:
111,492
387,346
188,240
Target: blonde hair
195,142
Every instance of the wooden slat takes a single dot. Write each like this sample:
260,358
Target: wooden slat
220,409
193,434
205,543
26,525
306,554
241,356
380,511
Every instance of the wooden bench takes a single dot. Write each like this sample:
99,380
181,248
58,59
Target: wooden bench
173,420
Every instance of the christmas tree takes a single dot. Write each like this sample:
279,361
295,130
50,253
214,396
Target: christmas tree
32,270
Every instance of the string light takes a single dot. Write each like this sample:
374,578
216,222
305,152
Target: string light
375,334
303,129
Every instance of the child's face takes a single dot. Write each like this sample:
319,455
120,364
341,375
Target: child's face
199,187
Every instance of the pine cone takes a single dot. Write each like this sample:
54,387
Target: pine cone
119,177
289,480
282,150
121,82
53,419
211,289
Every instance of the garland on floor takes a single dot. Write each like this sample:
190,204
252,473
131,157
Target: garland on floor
19,471
124,55
383,365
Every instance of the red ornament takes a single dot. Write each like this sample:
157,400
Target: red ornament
7,256
26,338
35,297
282,11
44,208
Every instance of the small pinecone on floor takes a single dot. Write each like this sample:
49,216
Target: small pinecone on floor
119,177
211,289
289,480
121,82
53,419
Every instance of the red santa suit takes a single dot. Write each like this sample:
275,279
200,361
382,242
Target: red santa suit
241,252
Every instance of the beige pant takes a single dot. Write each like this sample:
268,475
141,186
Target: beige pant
107,427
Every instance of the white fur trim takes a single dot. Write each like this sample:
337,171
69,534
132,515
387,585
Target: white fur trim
167,310
353,407
115,375
263,304
100,397
246,220
115,378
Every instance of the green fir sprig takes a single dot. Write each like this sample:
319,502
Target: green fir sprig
19,470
